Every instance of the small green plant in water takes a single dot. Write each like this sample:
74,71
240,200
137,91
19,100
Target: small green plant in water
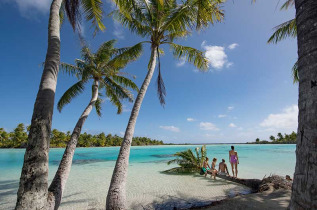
189,161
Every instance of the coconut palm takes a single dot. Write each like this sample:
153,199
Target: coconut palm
189,162
161,22
285,30
304,194
103,69
33,187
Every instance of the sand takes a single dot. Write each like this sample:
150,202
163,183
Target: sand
276,200
146,188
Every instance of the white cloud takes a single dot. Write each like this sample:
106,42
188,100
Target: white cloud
181,62
118,31
222,116
285,120
29,8
121,133
216,56
190,119
232,125
208,126
170,128
230,108
233,46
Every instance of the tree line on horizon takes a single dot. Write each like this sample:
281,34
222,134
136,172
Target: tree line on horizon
18,139
279,139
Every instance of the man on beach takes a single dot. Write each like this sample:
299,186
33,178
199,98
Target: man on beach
223,170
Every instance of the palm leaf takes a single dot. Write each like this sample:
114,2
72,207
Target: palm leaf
71,93
93,12
111,94
288,4
287,29
125,82
295,73
192,55
70,69
98,106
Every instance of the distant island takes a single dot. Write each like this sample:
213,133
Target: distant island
280,139
18,139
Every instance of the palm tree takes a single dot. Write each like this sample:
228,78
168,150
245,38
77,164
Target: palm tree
33,187
304,194
285,30
103,68
162,22
187,160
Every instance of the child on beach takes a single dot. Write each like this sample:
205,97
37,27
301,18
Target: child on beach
206,167
213,168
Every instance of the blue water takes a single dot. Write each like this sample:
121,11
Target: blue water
92,169
256,159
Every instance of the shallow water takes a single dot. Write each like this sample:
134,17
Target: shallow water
92,168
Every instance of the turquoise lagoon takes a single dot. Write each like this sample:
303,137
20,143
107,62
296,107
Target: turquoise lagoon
92,168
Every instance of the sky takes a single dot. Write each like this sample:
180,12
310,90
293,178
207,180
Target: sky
247,92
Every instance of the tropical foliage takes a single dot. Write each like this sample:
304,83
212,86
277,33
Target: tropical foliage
189,161
279,139
286,30
103,67
18,139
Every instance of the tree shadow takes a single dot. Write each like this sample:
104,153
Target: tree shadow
276,200
8,188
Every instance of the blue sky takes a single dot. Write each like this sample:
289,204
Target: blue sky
247,92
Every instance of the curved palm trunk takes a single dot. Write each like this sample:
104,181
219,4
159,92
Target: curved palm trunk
116,198
33,188
304,194
58,184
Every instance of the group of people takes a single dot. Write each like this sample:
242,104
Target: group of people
222,169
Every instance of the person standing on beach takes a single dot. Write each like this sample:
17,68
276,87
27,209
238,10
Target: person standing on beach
223,169
234,160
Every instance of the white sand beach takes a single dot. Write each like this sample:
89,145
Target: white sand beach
146,188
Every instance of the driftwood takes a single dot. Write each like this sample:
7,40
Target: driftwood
254,184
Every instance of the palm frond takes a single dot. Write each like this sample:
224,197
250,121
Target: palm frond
62,13
70,69
287,29
93,12
98,106
288,4
71,93
295,73
125,82
105,51
131,23
121,92
161,91
72,12
192,55
114,99
126,55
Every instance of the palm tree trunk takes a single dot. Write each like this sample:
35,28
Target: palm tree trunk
304,194
58,184
33,188
116,198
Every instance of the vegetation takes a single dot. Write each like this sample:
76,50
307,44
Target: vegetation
280,139
188,160
33,187
18,139
161,22
286,30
